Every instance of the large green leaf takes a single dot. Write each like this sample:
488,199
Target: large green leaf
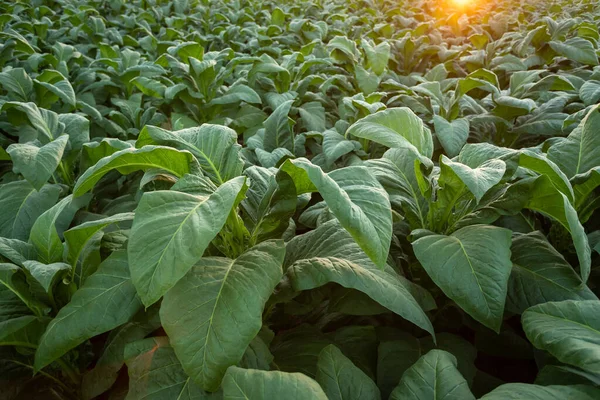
589,92
17,294
580,151
269,204
45,122
16,250
37,164
252,384
214,146
569,330
130,160
44,235
543,166
105,301
472,267
540,274
433,376
236,94
396,173
394,127
313,116
77,237
547,199
213,314
455,177
357,200
278,131
394,357
328,254
17,83
257,355
93,152
584,185
452,135
21,205
56,83
399,351
149,87
377,56
45,276
170,232
576,49
341,379
457,185
155,373
523,391
23,331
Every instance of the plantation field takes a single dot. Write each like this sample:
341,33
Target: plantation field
299,200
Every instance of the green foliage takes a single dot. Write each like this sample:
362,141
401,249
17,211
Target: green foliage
321,200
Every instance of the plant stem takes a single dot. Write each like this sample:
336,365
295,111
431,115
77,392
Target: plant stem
67,369
65,174
47,375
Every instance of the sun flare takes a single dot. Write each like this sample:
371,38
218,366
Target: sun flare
463,3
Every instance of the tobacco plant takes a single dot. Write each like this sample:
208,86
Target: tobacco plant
319,200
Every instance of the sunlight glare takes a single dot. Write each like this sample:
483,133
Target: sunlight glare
462,3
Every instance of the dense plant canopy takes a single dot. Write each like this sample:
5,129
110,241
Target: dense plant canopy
320,199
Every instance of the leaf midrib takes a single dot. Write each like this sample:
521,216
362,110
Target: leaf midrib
212,314
192,211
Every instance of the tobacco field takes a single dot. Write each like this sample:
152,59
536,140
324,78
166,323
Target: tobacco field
299,200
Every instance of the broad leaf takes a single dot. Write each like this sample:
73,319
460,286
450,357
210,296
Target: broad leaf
547,199
17,83
472,267
23,331
155,373
433,376
580,151
44,235
455,177
77,237
313,116
252,384
355,197
328,254
21,205
541,274
106,300
523,391
214,146
37,164
170,232
569,330
576,49
130,160
270,202
213,314
236,94
46,275
589,92
544,166
396,173
394,127
17,251
341,379
56,83
15,291
452,135
278,131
